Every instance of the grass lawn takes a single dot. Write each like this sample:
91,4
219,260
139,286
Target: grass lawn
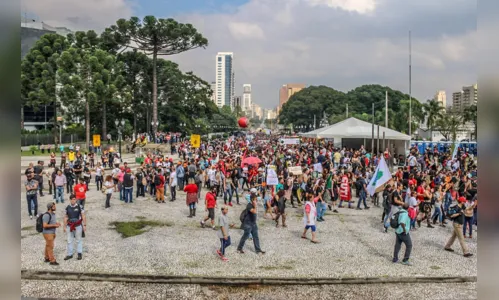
37,153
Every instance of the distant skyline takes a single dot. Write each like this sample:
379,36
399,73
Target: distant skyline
341,44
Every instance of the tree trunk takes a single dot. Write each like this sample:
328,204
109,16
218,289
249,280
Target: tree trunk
154,92
87,123
104,119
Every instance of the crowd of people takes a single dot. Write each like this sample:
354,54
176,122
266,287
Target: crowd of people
263,173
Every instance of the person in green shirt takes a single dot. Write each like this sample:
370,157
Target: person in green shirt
402,236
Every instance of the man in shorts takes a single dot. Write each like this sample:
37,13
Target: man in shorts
210,203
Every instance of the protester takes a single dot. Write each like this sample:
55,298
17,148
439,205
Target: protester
49,227
75,224
224,234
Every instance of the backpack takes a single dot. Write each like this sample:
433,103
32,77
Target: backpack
39,222
387,200
452,210
394,220
157,180
180,172
243,215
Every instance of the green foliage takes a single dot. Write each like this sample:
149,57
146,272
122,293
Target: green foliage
449,124
317,100
470,115
433,111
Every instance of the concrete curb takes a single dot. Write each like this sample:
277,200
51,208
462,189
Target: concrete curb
233,281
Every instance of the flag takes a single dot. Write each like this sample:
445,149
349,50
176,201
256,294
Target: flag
454,153
380,177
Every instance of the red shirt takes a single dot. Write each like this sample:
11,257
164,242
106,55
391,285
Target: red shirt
80,191
191,188
420,190
211,201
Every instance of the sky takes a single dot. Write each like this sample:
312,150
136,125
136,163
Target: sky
339,43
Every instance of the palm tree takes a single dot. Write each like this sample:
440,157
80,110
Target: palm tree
470,115
432,112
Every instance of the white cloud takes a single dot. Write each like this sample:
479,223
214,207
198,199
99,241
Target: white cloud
359,6
243,30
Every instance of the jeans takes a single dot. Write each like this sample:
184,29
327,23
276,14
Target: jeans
128,194
393,210
173,193
98,182
108,200
121,188
180,182
140,190
468,221
32,200
81,202
224,244
362,198
321,209
152,189
228,194
192,205
437,214
59,194
253,230
406,240
72,236
447,201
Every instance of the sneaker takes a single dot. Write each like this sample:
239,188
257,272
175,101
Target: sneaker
202,224
395,260
219,253
214,228
80,256
468,255
224,258
358,208
31,217
230,204
335,211
54,263
261,252
68,257
46,260
449,249
406,263
367,207
240,251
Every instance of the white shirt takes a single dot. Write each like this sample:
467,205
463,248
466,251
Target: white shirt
173,179
109,184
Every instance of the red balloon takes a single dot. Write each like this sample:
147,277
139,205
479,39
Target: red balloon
243,122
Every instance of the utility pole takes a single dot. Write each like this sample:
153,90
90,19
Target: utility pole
410,86
372,137
386,109
377,143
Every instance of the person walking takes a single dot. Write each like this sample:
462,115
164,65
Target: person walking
362,185
223,233
80,191
50,224
75,224
250,227
402,236
109,188
210,204
280,208
99,175
174,181
59,182
458,220
310,218
192,197
31,185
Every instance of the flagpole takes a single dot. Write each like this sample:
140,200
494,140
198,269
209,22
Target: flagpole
386,109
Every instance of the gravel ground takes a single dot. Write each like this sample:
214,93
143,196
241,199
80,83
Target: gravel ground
352,244
108,290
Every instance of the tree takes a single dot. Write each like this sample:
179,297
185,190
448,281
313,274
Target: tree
448,125
38,75
470,115
89,75
154,37
432,111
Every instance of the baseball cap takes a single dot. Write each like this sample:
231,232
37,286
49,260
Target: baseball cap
461,199
253,191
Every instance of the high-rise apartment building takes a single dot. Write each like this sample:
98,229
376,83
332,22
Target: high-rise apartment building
256,111
288,90
213,96
224,94
246,103
441,98
465,98
237,102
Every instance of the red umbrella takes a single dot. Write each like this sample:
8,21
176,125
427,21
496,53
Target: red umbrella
251,160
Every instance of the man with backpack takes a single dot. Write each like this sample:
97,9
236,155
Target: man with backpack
46,224
400,221
75,223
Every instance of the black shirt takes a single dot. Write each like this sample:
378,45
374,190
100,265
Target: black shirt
396,196
459,219
251,217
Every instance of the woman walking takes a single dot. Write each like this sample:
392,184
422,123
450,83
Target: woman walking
192,197
99,173
109,188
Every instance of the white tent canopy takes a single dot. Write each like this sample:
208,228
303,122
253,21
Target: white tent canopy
353,128
352,133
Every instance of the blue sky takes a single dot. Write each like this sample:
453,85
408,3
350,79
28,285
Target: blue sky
176,7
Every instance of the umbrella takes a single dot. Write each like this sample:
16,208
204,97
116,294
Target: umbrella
251,160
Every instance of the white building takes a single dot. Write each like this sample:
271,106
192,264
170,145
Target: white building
213,86
246,105
224,94
441,98
465,98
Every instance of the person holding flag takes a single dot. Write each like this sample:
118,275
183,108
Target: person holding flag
381,176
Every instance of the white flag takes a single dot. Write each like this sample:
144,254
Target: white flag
381,176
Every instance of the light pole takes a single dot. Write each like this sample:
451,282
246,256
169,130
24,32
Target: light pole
120,125
154,128
182,128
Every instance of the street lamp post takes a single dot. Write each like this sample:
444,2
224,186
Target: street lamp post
182,128
154,128
120,125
